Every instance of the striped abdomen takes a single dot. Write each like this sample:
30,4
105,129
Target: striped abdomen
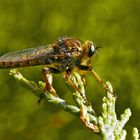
16,64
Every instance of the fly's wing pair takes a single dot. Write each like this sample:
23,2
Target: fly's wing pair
26,54
25,57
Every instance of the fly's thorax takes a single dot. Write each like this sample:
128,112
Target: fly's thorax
69,45
69,42
66,50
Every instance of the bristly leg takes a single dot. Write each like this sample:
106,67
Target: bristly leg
48,79
97,77
84,68
67,78
86,121
101,82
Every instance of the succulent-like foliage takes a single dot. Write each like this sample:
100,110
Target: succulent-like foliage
107,125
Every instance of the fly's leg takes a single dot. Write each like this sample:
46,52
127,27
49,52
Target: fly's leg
48,79
73,85
100,81
86,120
85,68
67,78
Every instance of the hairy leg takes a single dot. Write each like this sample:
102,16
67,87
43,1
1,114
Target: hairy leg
71,83
48,79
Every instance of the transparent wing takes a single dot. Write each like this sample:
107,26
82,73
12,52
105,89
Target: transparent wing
26,54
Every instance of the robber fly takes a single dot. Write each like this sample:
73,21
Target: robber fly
64,55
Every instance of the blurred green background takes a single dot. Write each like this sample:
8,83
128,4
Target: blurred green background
113,25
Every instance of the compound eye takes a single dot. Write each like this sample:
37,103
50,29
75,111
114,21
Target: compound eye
91,50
